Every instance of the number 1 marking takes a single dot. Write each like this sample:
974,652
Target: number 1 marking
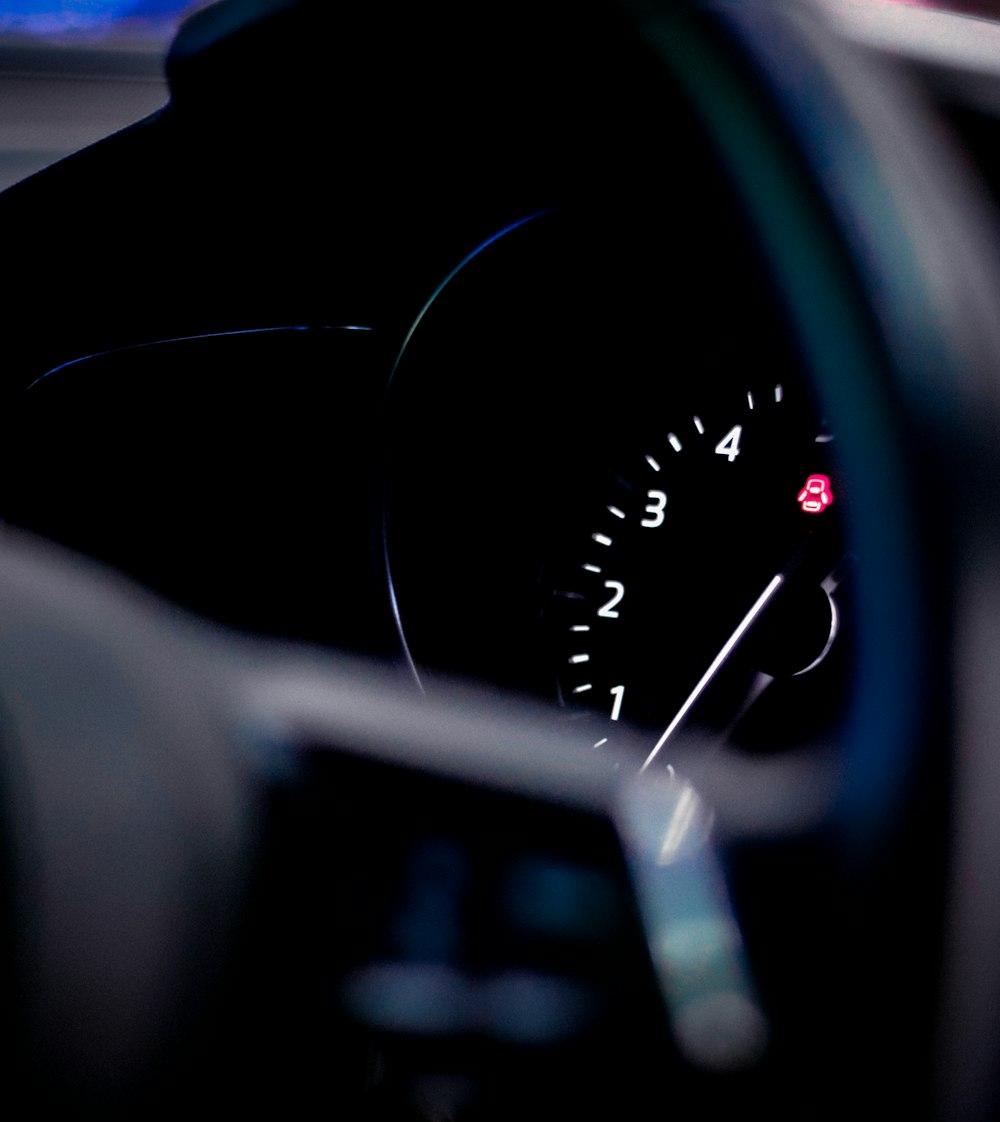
617,692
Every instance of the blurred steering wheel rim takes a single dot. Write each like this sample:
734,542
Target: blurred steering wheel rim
923,245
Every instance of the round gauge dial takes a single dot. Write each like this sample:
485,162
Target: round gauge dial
709,577
589,495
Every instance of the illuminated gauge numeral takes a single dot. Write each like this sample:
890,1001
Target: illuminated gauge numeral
657,502
610,609
729,445
617,692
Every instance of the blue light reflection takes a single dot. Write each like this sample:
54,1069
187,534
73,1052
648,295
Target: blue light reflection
58,17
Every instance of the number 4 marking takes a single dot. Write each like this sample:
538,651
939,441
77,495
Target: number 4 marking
729,445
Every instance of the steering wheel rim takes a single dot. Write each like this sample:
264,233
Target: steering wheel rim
922,241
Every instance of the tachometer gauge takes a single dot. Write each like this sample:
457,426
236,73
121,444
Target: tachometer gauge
612,484
708,571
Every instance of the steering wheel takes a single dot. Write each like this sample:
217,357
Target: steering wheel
266,875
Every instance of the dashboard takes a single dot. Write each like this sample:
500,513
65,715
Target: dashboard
500,582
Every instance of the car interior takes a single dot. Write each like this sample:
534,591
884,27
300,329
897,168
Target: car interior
500,558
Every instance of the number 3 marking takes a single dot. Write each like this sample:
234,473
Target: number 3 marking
657,501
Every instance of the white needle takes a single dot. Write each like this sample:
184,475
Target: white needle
727,649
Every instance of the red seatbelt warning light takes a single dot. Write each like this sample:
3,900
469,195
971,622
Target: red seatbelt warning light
816,495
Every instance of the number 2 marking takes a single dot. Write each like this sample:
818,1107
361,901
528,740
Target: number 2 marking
617,590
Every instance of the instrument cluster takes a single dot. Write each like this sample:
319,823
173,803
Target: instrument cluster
612,485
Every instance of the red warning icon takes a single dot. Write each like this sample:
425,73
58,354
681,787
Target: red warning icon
816,495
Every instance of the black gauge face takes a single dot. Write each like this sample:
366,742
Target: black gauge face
708,576
606,454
